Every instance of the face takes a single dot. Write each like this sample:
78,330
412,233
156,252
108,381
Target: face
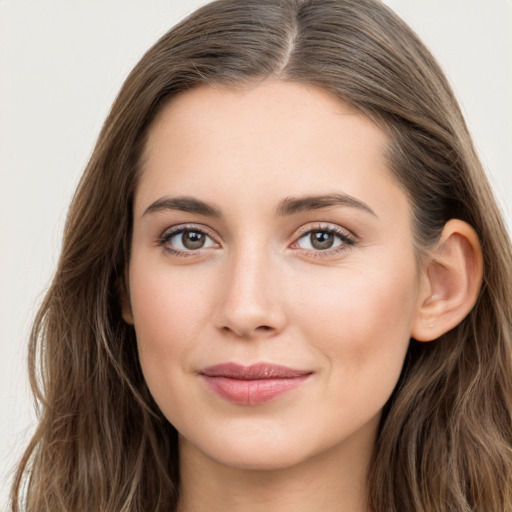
273,280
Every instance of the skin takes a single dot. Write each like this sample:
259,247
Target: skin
259,291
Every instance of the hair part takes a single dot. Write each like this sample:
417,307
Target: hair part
445,437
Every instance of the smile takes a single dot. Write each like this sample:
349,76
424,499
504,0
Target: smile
252,385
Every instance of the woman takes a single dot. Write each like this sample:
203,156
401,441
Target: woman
284,282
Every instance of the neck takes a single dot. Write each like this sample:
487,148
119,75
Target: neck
335,480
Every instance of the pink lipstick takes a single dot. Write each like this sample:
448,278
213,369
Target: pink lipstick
252,385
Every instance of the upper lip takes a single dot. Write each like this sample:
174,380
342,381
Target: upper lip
253,372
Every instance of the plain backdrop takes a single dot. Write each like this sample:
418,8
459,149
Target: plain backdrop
61,65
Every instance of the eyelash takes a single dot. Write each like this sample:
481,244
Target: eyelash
347,240
166,236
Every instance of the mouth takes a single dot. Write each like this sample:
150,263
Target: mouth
252,385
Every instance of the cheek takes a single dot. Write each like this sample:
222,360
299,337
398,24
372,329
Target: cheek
169,309
361,319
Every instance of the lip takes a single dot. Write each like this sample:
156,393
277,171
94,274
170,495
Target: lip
254,384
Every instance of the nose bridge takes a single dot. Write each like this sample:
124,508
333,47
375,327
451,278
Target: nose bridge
249,301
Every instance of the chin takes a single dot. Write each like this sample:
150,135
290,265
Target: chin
268,459
254,451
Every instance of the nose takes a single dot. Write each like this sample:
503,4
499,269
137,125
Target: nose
251,297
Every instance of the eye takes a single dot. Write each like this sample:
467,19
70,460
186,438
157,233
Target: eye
323,239
186,240
319,240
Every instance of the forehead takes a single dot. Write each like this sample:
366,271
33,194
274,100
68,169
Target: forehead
257,110
270,139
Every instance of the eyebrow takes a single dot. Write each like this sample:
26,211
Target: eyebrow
183,204
291,205
288,206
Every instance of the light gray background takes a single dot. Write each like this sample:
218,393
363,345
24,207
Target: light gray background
61,65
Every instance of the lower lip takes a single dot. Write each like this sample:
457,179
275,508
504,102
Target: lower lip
252,392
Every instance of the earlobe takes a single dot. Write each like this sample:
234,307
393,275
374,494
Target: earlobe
451,284
124,299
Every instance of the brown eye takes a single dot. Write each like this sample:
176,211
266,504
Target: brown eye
193,239
321,239
186,240
324,239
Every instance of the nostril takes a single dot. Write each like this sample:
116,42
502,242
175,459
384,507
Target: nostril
260,329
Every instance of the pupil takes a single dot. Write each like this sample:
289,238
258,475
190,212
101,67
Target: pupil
193,239
322,239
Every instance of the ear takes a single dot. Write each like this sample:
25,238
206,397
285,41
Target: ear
451,282
124,299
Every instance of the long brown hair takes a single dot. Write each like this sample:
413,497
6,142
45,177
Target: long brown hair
445,438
